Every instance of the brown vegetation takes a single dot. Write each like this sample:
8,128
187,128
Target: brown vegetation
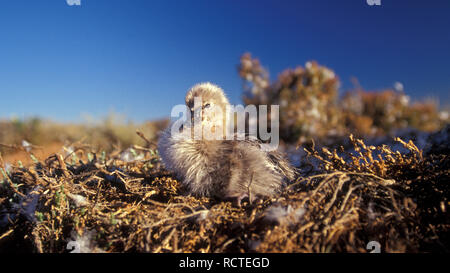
397,199
310,106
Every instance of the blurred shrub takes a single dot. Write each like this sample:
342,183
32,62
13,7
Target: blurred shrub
379,113
307,97
310,106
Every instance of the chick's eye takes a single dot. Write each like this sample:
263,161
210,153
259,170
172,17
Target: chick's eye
206,106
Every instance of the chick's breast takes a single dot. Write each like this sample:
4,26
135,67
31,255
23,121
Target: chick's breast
201,165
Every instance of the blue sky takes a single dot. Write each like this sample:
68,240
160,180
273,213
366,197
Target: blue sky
139,57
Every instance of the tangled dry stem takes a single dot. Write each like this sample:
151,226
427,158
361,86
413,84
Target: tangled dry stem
399,200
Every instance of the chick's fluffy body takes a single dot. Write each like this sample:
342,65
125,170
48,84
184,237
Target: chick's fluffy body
222,168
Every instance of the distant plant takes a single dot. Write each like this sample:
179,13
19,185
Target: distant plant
307,97
310,106
379,113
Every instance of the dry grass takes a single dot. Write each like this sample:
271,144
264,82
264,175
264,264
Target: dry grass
397,199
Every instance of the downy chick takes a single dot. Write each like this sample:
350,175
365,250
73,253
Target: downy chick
227,169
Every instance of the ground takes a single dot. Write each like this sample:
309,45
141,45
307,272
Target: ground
124,201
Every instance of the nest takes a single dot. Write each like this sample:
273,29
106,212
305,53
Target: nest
126,202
